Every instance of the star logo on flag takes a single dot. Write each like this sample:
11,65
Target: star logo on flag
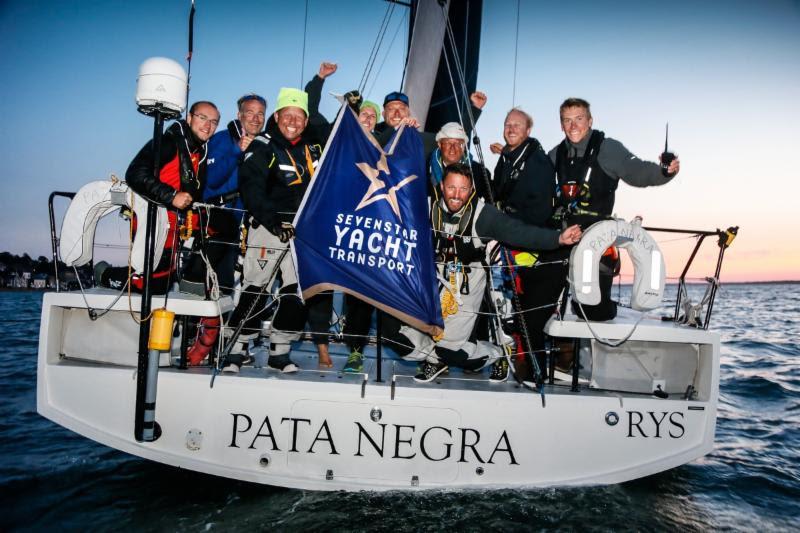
376,185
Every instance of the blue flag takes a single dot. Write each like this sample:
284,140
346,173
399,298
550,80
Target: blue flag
363,227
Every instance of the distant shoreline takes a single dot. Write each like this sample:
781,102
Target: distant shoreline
783,282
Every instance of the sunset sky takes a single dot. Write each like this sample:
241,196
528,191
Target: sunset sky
724,74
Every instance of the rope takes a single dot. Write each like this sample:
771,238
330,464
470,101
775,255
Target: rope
93,315
305,32
386,55
376,46
468,106
453,85
516,50
603,340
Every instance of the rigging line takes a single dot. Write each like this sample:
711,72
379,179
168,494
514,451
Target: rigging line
466,36
516,49
376,46
461,76
386,56
453,85
377,50
468,105
305,34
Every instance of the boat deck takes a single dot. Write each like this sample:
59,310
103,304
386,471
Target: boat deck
394,372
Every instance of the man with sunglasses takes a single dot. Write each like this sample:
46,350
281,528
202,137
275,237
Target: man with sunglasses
180,181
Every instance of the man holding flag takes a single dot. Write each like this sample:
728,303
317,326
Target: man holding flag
274,174
363,226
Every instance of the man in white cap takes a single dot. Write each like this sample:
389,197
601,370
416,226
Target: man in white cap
273,177
452,143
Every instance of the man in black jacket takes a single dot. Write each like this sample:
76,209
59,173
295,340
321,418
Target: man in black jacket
524,181
589,167
180,181
273,177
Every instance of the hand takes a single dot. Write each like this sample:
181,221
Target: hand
674,167
409,121
478,99
284,231
182,200
354,100
496,148
571,235
326,69
245,141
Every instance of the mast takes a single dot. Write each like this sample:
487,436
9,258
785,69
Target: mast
431,80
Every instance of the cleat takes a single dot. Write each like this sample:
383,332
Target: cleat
428,371
499,371
355,363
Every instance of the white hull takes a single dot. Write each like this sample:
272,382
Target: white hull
313,430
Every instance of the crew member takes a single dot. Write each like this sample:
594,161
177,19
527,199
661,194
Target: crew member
358,313
524,181
274,175
462,223
589,167
225,151
180,181
396,112
451,148
368,115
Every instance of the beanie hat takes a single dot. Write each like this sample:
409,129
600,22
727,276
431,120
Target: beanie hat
288,97
373,105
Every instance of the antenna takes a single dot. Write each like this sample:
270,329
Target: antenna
667,157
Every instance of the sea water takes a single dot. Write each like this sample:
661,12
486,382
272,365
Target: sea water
52,478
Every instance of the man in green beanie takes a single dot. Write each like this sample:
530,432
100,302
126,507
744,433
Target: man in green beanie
273,177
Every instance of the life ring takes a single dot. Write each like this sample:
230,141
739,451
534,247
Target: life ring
91,203
648,263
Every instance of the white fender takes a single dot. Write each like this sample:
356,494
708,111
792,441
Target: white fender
648,263
92,202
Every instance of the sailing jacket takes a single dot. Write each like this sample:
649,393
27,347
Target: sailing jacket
604,161
274,176
182,166
524,180
222,178
460,236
